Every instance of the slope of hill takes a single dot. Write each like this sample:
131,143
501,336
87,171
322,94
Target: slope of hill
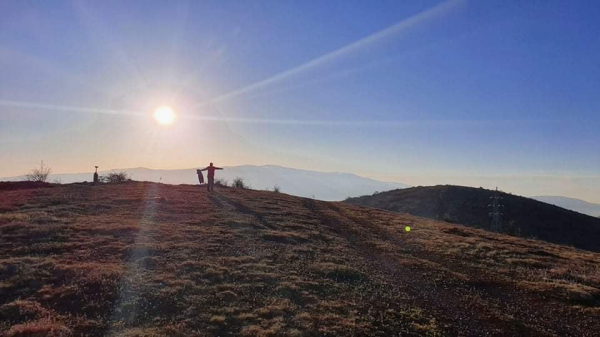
469,206
319,185
147,259
576,205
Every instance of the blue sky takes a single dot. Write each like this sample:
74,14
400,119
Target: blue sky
480,93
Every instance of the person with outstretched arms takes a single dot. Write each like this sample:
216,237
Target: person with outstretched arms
211,175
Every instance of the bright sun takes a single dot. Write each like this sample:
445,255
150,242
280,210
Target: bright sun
165,115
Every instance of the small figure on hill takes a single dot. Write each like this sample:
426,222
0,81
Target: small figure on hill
96,178
211,175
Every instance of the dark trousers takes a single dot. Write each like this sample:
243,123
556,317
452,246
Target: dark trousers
210,185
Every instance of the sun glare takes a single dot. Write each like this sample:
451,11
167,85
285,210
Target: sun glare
165,115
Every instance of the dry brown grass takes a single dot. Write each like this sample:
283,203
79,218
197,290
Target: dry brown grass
143,259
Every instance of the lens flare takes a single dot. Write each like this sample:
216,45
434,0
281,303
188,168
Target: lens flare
165,115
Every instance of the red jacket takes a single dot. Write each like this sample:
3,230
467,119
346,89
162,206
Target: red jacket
211,171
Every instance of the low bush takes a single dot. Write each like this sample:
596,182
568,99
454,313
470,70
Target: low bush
39,174
221,182
115,178
239,183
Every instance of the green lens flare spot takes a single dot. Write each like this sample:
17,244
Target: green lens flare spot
407,228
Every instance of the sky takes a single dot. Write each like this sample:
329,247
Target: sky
477,93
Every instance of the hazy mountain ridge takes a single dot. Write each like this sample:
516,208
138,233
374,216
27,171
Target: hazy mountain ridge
573,204
469,206
313,184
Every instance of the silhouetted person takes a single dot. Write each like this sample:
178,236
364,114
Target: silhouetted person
96,178
211,175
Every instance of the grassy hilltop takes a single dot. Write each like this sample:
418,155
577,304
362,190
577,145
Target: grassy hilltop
524,217
146,259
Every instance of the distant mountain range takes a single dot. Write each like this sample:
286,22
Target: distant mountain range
470,206
577,205
330,186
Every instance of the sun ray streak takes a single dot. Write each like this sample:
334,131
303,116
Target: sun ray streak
66,108
129,305
98,32
270,121
355,70
393,30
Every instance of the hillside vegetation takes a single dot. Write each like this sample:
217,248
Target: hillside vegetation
146,259
468,206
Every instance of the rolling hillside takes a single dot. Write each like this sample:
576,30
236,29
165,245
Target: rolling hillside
148,259
317,185
469,206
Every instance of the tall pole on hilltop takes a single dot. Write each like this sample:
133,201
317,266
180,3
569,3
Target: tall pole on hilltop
496,213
